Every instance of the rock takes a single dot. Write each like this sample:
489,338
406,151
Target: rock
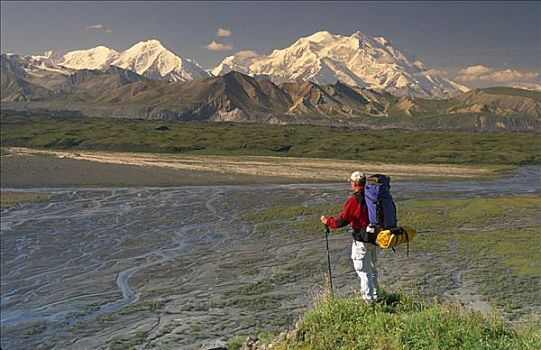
216,344
292,335
282,337
250,343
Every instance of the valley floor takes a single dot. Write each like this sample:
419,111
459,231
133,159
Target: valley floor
23,168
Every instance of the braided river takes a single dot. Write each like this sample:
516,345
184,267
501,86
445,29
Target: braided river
91,265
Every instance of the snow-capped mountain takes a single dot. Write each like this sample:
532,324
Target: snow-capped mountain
358,60
147,58
151,59
323,58
38,65
48,58
99,57
239,62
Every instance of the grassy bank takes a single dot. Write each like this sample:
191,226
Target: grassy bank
9,199
398,322
389,146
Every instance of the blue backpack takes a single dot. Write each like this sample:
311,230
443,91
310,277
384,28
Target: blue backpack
381,208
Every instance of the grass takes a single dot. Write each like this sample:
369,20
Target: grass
254,303
289,274
10,199
513,92
245,301
139,307
236,342
399,322
445,215
128,343
477,213
503,246
35,330
279,212
504,265
497,239
298,219
432,147
165,330
87,310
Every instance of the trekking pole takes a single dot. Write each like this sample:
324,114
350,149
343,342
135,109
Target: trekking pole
327,231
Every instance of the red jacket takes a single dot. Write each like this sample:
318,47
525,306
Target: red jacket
354,213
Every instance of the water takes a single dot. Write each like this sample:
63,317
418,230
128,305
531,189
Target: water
75,257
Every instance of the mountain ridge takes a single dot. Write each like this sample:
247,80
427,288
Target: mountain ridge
151,59
25,79
236,97
147,58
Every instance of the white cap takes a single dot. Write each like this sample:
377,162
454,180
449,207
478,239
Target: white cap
357,177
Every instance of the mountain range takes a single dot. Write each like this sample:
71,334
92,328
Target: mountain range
322,58
236,97
356,81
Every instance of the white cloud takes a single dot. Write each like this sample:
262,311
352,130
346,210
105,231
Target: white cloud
215,46
513,75
528,86
222,32
435,72
476,70
483,73
95,26
99,26
467,78
246,54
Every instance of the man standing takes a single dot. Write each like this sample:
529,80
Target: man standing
363,249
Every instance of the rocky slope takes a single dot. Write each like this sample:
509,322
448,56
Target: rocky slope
29,79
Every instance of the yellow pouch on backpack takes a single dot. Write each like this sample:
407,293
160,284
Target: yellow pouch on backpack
395,237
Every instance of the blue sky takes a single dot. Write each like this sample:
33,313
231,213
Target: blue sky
491,37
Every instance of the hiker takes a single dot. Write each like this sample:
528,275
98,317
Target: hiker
363,253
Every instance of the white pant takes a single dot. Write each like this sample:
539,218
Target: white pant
365,256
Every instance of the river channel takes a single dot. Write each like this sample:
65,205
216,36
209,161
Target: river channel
92,265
